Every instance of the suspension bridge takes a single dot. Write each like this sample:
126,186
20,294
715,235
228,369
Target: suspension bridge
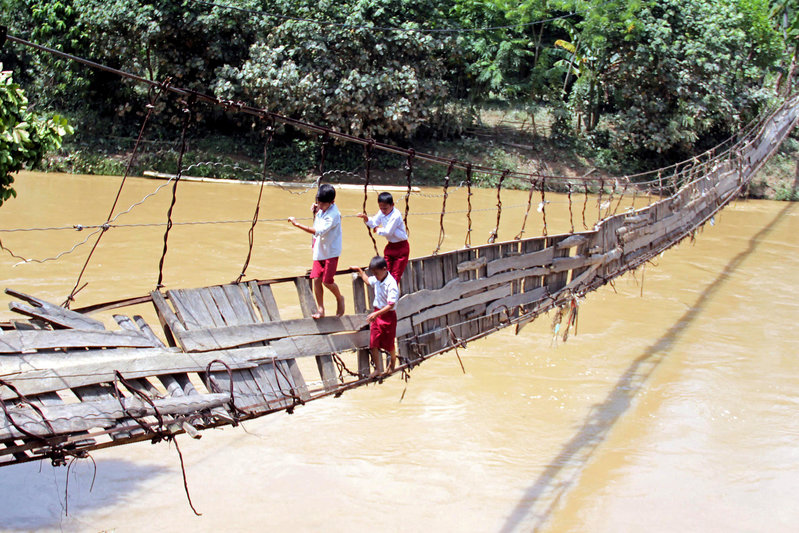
223,354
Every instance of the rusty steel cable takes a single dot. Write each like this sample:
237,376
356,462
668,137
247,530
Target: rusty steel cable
322,150
527,211
543,206
495,232
621,196
270,132
599,200
154,97
367,155
468,240
186,119
571,213
442,233
585,205
408,177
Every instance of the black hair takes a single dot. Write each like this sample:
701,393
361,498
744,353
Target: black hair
326,193
377,262
385,198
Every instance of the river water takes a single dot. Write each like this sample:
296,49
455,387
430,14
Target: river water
674,408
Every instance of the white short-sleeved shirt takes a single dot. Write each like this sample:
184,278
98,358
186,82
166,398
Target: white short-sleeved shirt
327,236
386,291
390,226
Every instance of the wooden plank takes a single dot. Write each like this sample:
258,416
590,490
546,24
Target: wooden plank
189,300
470,265
54,314
307,301
275,385
184,312
147,331
211,306
423,299
229,314
300,387
267,299
542,258
94,367
247,396
15,341
403,324
572,241
271,304
232,336
239,298
408,280
72,418
364,362
509,302
169,320
359,294
327,371
126,323
313,345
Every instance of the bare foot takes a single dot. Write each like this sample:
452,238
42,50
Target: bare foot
374,375
340,306
320,313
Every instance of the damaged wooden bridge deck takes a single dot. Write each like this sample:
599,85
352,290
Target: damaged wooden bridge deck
222,354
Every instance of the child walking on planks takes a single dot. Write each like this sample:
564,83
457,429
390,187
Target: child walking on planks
383,320
326,233
388,223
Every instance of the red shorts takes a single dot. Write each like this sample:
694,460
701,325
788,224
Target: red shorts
396,254
325,269
383,331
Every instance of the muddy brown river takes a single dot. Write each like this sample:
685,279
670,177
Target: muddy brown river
674,408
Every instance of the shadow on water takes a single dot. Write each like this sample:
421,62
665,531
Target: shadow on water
32,495
541,498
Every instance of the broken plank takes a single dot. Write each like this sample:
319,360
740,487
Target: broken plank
307,301
71,418
541,258
30,340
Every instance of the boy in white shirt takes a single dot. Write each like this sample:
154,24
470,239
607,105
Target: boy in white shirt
383,320
326,247
388,223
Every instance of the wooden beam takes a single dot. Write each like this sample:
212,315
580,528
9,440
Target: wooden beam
54,314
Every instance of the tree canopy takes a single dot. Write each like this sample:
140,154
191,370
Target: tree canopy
24,136
650,80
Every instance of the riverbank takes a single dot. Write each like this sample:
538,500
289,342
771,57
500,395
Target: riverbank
502,138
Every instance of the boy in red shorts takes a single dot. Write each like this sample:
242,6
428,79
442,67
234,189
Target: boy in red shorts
326,247
388,223
383,320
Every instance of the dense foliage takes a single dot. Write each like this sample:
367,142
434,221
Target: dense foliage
24,136
638,80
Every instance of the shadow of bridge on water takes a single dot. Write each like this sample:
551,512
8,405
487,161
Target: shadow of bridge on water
541,498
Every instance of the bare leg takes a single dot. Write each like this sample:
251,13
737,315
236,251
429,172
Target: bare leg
332,287
377,362
393,363
320,298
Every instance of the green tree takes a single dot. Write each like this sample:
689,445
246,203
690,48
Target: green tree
785,15
349,76
679,74
24,136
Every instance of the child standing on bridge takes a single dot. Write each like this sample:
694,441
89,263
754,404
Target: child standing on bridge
388,223
383,320
326,233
